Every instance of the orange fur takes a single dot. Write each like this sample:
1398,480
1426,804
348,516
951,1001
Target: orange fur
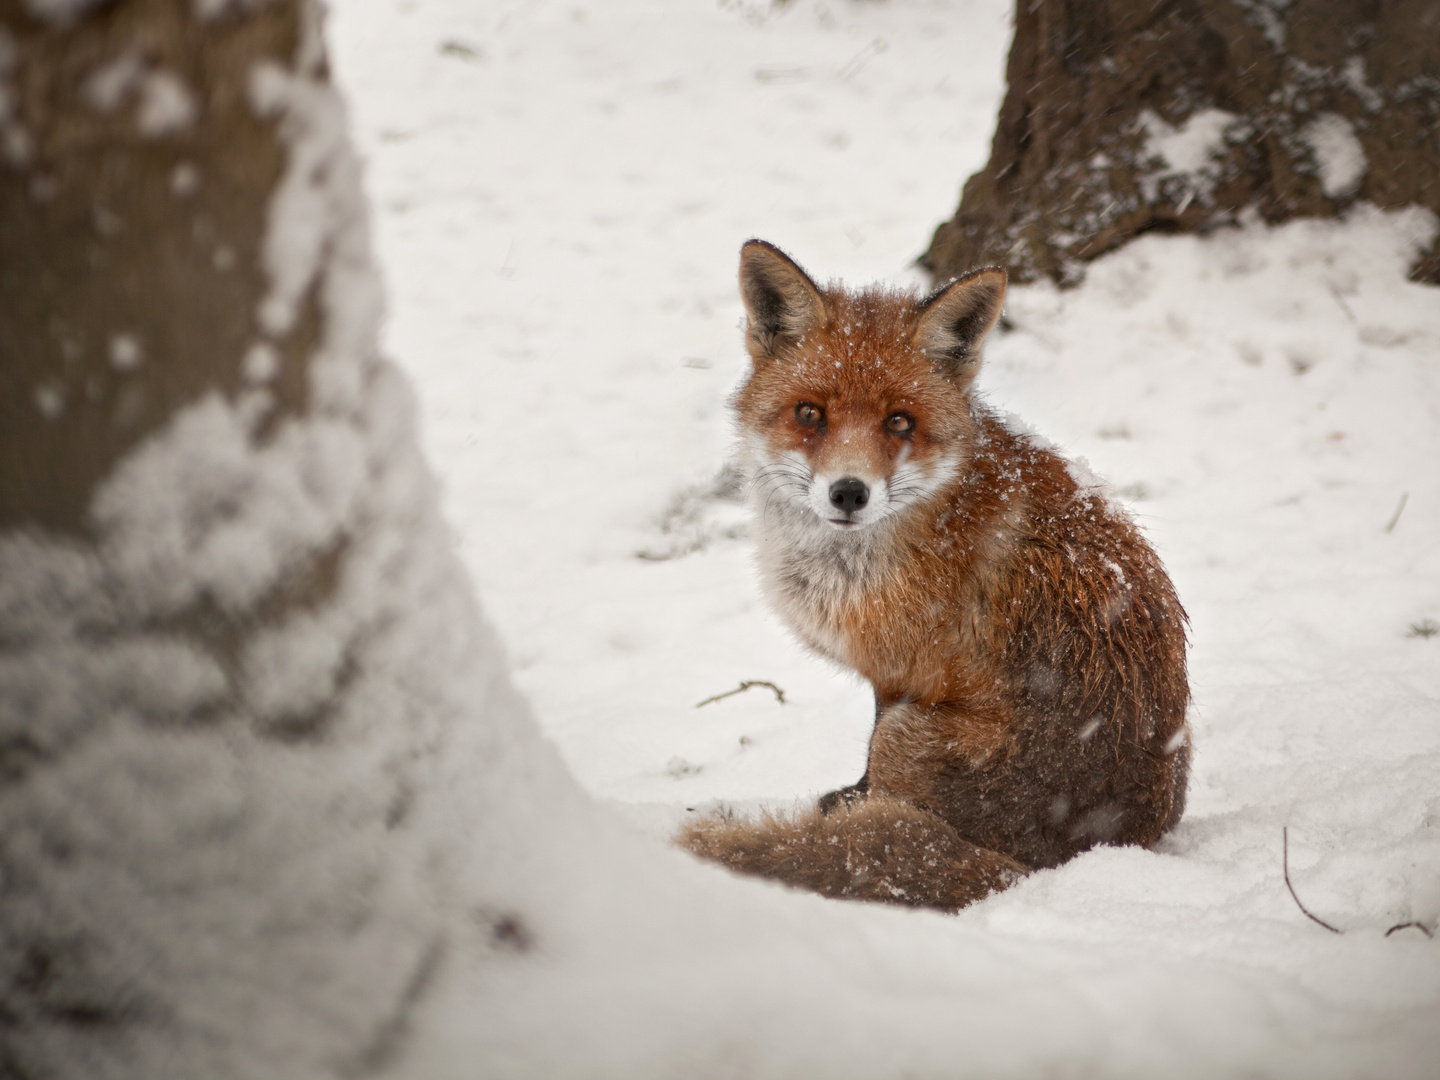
1025,645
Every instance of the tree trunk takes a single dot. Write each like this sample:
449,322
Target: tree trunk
1123,116
235,647
133,199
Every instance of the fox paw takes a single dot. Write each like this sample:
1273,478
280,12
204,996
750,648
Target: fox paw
845,796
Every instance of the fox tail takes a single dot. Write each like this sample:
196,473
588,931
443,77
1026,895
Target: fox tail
875,848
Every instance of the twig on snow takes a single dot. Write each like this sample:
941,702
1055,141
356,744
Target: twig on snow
1285,860
1343,305
746,685
1408,925
1404,496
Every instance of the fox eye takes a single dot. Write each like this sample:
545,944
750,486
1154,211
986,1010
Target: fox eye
900,423
809,415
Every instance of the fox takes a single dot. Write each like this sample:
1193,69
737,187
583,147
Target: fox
1025,646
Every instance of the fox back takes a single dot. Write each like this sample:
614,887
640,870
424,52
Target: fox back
1025,646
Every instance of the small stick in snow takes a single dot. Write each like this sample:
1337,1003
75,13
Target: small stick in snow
1343,305
1285,858
746,685
1407,925
1396,516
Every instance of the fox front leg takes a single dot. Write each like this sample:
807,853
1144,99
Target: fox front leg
852,793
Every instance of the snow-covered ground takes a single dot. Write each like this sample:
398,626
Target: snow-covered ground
560,191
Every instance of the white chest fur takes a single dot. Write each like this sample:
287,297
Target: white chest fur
813,574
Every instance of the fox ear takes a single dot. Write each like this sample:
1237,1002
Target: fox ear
955,320
781,301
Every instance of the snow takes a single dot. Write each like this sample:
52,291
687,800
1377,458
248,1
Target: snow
1190,152
50,400
1339,157
561,191
1355,80
166,105
261,363
106,88
125,352
302,215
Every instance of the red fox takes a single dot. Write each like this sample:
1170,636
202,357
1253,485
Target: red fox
1025,646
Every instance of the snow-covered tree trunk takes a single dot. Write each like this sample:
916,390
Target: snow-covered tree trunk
247,705
1122,117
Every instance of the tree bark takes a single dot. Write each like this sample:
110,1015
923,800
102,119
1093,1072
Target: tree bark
133,199
1123,116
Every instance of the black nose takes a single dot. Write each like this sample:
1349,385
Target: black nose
849,494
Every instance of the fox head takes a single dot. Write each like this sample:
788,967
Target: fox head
858,403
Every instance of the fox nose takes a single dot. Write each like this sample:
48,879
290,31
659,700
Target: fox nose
849,494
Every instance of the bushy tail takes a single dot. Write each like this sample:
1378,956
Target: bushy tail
876,848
